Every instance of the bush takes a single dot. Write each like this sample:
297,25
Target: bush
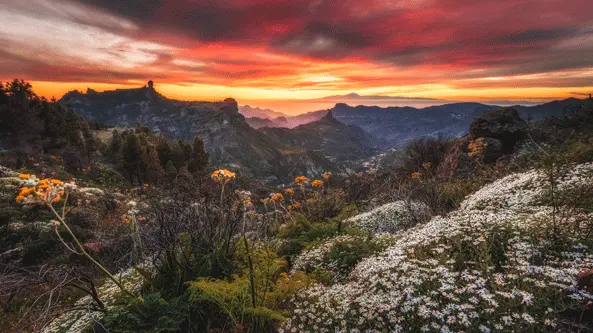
418,152
151,314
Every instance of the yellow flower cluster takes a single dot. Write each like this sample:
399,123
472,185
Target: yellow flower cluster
43,191
276,197
222,176
326,175
289,192
301,180
317,183
416,175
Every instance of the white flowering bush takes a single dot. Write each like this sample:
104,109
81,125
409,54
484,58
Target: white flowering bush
490,266
524,190
390,217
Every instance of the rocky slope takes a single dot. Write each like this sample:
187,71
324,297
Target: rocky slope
229,140
257,122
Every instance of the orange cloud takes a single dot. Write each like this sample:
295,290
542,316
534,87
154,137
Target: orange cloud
285,51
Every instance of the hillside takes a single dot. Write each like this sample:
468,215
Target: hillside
257,122
229,140
327,137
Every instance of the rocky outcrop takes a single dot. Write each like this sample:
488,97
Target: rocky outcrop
504,125
457,163
493,149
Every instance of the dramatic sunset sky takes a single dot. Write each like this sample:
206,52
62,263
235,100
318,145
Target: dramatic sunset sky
294,55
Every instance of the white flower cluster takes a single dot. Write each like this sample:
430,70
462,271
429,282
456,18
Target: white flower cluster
523,190
485,267
391,217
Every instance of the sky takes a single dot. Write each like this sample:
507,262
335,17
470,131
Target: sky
300,55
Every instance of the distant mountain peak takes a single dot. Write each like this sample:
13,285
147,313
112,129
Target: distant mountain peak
341,105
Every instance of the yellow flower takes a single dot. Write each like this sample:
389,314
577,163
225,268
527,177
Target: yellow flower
427,165
44,191
24,176
416,175
326,175
26,191
276,197
222,176
289,192
58,198
317,183
301,180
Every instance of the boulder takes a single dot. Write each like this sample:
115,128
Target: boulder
493,149
505,125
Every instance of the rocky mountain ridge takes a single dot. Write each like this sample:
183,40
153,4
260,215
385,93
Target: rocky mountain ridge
229,140
393,127
327,137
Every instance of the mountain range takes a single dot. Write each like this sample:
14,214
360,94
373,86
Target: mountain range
277,149
392,127
255,112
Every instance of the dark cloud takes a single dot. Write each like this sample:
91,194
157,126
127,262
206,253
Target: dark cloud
141,10
454,32
535,36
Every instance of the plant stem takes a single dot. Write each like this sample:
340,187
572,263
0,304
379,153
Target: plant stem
250,264
86,254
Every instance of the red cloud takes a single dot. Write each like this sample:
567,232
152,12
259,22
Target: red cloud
308,44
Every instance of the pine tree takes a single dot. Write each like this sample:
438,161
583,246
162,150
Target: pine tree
180,153
132,157
154,170
164,150
199,158
183,175
170,171
91,143
115,146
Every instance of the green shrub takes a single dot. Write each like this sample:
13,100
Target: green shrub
345,255
151,314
